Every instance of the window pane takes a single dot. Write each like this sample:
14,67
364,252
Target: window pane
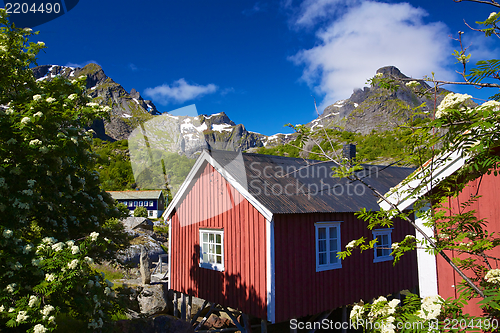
218,249
205,237
380,253
205,248
333,232
322,246
219,259
218,239
385,240
321,233
333,245
322,258
211,258
333,257
205,257
211,238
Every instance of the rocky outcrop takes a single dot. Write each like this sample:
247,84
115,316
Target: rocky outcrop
132,223
153,299
128,110
145,267
376,108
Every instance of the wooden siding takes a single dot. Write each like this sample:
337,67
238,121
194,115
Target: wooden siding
487,207
213,203
301,291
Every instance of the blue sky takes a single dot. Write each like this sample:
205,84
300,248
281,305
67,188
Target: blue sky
261,62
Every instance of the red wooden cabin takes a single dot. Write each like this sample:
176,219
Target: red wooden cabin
435,274
260,233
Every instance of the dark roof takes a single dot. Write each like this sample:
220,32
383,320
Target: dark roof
293,185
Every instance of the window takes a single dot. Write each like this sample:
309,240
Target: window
151,204
212,249
327,245
135,203
140,203
150,213
382,248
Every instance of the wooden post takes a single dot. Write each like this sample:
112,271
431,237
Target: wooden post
263,326
246,323
176,303
189,307
183,306
344,318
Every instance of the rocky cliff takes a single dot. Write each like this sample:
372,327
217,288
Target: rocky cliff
130,111
376,108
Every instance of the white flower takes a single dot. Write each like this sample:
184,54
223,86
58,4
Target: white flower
75,249
73,264
37,97
21,316
50,99
11,141
72,96
493,276
10,288
88,260
7,233
451,101
356,312
494,105
491,15
106,109
28,192
412,84
431,307
394,246
25,120
90,284
38,114
379,75
17,266
50,277
351,244
31,182
41,43
36,262
39,328
92,104
107,291
49,240
58,247
2,308
46,310
33,301
94,235
395,302
35,142
28,29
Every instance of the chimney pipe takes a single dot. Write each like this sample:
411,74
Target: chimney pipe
349,152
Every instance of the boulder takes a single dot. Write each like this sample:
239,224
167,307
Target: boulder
153,300
132,223
145,262
215,321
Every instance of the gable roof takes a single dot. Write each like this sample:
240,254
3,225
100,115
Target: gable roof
284,185
430,174
136,195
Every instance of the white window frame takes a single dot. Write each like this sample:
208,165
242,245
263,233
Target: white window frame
211,265
381,232
328,225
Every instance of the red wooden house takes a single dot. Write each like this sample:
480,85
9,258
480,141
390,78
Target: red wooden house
435,274
260,233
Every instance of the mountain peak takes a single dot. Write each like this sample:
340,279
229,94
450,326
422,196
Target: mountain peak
391,71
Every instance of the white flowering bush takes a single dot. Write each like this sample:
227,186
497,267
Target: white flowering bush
55,220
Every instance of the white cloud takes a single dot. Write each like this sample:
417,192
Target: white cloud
310,12
179,92
367,36
82,64
257,7
132,67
